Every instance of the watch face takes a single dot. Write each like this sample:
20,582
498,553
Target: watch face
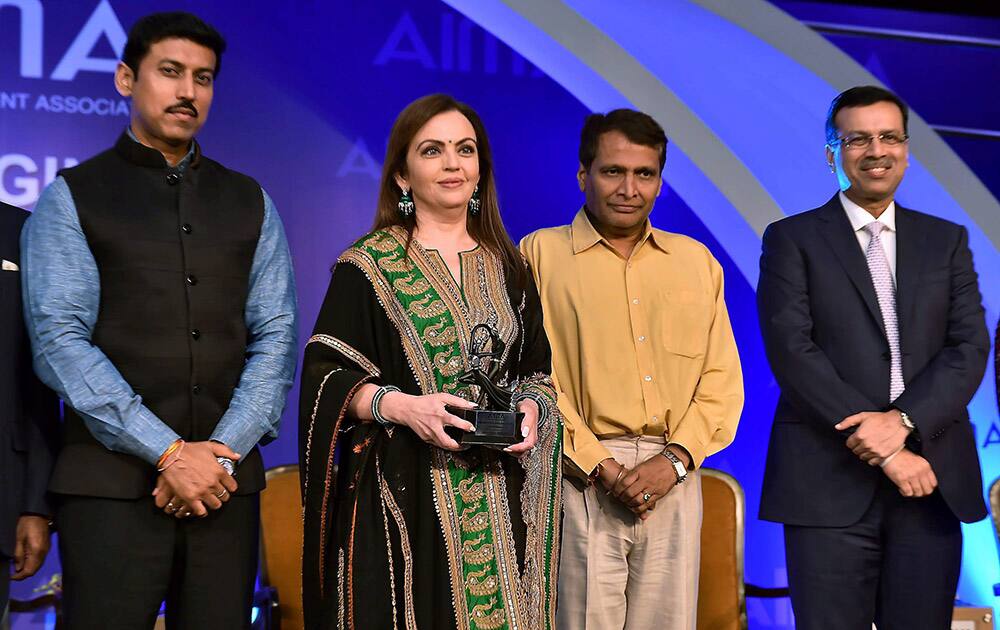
227,464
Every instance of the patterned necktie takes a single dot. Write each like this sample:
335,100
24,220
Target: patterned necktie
885,289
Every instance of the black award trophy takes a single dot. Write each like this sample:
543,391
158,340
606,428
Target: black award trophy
496,425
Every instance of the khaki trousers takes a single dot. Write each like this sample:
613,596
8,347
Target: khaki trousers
618,572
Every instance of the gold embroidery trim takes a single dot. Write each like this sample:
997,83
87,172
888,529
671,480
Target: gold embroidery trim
410,615
474,522
483,617
472,555
388,545
345,349
340,589
427,308
411,286
470,491
481,583
396,264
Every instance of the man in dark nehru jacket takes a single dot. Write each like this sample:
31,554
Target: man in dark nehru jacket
160,305
29,415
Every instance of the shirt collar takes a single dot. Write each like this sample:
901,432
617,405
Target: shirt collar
585,235
182,165
859,217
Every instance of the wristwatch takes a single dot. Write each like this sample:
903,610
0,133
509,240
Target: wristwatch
227,463
906,421
679,468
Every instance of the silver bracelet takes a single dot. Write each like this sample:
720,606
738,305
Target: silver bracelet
543,409
377,399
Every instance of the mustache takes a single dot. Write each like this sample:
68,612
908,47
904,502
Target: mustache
870,163
183,106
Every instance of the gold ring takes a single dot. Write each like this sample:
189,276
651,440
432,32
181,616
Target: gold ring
646,497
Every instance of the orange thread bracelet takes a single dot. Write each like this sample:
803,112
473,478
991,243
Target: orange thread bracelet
177,447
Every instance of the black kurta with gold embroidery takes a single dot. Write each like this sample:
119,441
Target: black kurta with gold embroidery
398,533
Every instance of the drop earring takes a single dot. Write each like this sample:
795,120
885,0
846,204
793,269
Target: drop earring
475,204
406,204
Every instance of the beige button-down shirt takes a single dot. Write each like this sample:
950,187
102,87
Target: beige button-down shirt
641,346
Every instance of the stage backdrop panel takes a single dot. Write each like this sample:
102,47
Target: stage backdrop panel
308,92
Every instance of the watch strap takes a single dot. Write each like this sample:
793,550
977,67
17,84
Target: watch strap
679,469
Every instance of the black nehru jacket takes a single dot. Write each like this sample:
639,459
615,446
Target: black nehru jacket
174,251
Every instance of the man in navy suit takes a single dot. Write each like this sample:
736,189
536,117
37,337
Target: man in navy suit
874,329
28,422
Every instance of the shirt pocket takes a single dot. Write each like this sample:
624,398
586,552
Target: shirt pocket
685,322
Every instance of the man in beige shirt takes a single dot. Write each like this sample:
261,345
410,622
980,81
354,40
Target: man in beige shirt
649,383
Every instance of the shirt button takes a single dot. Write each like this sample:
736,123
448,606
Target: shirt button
647,378
173,178
195,334
642,337
186,228
655,418
635,301
192,279
196,389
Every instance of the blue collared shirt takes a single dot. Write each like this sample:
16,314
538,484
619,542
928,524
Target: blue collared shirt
61,289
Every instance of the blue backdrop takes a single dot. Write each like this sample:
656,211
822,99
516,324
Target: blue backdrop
309,90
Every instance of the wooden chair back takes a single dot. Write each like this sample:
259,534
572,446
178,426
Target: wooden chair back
721,593
281,542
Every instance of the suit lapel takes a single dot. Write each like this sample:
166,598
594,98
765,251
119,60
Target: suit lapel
910,241
844,243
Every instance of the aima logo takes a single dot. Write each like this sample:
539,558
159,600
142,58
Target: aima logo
455,51
102,23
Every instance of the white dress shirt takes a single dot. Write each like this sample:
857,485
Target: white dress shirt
859,218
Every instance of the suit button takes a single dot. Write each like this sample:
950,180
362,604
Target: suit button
195,334
196,389
192,279
186,228
173,178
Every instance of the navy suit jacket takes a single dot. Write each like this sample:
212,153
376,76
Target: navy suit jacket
826,344
29,412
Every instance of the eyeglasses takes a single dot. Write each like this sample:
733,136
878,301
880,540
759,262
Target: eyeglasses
890,138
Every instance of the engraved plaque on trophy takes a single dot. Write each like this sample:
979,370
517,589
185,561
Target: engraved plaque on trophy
496,425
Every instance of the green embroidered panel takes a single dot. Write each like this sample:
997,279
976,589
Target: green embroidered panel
488,607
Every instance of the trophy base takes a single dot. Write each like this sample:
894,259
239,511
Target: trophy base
494,429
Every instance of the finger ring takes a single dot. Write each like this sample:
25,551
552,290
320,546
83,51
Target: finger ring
646,497
221,494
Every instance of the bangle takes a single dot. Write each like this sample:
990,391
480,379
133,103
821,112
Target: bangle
543,409
621,473
889,458
377,399
177,456
596,473
178,443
